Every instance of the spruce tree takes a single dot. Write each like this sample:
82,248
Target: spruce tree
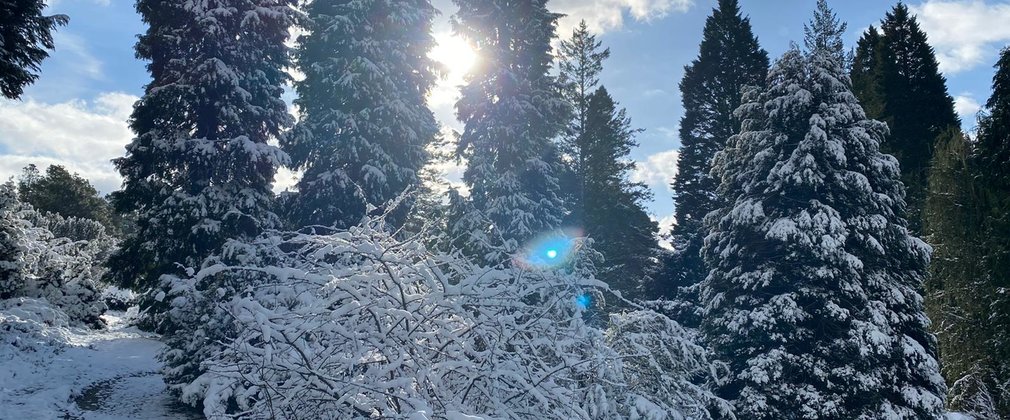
512,112
12,238
580,62
200,168
729,60
25,36
900,77
825,31
613,206
813,295
364,125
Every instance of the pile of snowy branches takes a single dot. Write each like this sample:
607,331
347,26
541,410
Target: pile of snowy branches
45,256
358,323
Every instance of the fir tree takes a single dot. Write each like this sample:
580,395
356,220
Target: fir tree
813,296
900,78
512,113
11,243
580,61
614,213
825,31
867,80
200,168
365,127
729,60
25,37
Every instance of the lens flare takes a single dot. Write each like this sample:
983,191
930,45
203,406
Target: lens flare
584,301
551,250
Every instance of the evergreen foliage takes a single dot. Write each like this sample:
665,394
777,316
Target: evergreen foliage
813,297
25,36
45,256
613,206
64,193
825,31
993,155
512,112
580,63
364,128
896,73
729,60
603,201
959,290
200,168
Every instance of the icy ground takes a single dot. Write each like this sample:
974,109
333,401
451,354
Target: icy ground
81,374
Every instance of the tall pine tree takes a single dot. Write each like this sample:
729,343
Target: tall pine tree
813,296
200,168
729,60
580,61
598,141
365,126
897,74
25,36
512,113
612,205
825,31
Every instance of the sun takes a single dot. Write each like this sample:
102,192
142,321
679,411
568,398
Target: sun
455,54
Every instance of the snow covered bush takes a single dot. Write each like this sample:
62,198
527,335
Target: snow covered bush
356,323
64,270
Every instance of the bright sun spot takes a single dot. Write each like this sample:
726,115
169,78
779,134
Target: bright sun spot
455,54
552,254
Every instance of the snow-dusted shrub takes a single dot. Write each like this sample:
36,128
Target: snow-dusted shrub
665,369
359,324
31,326
38,264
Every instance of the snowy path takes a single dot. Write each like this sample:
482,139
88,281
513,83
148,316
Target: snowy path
110,374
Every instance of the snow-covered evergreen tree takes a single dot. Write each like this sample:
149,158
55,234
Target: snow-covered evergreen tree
364,125
729,59
64,268
25,37
512,112
814,294
200,168
12,234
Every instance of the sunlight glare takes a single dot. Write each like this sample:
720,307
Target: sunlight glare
455,54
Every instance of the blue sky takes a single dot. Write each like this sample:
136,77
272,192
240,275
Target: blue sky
76,114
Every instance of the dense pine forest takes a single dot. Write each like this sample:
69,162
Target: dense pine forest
840,250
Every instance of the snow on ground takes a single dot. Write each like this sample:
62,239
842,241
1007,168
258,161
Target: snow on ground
50,370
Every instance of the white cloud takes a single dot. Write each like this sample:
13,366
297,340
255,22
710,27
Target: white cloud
607,15
83,136
965,33
966,106
658,170
669,132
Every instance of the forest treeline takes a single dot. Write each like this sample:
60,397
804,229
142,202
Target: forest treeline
841,245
